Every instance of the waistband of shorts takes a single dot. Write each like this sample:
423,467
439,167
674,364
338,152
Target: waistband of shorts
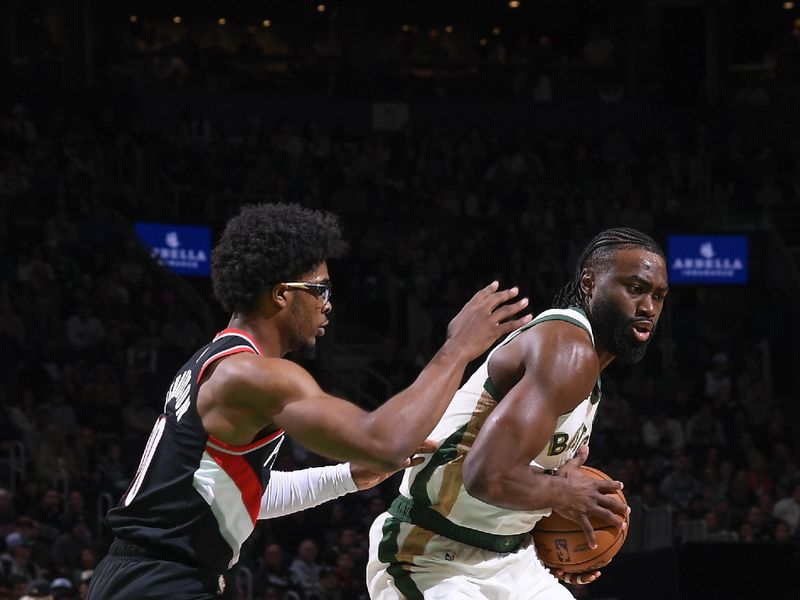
406,510
126,548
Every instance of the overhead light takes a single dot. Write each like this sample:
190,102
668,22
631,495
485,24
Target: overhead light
788,5
177,20
483,41
266,23
221,21
496,31
449,29
133,19
513,4
406,27
321,8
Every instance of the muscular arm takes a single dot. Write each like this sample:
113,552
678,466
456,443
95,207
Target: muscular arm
247,389
547,372
336,428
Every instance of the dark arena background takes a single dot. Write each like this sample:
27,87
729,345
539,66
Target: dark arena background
458,142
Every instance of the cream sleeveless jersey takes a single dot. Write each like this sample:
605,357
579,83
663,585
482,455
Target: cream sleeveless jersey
438,483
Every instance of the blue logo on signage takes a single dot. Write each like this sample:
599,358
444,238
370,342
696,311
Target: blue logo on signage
708,259
183,249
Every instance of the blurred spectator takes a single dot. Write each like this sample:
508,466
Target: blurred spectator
68,547
305,569
47,512
55,460
114,472
788,510
661,432
84,329
8,515
16,560
704,430
718,378
272,571
38,589
680,486
62,589
328,586
137,416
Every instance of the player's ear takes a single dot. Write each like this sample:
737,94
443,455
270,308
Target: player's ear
279,295
587,282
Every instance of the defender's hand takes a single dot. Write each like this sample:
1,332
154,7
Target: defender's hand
365,478
485,318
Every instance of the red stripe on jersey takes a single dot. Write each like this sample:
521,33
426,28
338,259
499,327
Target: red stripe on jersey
241,332
239,470
227,352
247,447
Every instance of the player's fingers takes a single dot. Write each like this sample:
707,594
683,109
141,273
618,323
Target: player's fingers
609,487
613,504
583,453
417,460
584,578
500,297
485,292
509,310
510,326
609,517
588,531
428,447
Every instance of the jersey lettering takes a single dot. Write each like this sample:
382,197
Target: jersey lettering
179,391
559,444
147,457
579,436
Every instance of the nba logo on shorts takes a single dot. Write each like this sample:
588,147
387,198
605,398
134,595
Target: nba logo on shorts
449,556
562,550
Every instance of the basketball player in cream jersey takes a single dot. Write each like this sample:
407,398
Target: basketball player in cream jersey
512,439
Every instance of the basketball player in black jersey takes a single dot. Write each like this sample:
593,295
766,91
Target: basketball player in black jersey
205,474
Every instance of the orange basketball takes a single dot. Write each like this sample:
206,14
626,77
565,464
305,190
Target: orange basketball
561,543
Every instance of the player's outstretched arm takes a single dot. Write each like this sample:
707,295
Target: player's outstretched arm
293,491
560,369
385,438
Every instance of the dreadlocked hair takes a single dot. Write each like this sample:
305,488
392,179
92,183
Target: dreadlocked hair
601,249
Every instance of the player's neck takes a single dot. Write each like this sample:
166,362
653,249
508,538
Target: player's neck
265,332
604,357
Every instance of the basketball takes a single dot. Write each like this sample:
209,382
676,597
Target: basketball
561,543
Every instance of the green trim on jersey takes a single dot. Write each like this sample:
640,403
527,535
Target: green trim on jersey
444,454
489,386
404,509
387,553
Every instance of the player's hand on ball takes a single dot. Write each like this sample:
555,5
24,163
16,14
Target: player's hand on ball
365,478
590,498
576,578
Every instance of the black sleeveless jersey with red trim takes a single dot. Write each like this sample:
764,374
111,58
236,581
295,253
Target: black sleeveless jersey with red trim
194,498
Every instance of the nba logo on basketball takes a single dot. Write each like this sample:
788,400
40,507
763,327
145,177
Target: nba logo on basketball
562,550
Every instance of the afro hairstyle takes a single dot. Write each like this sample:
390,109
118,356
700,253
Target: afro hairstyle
267,244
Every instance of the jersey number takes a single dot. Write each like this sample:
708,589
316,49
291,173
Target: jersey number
147,457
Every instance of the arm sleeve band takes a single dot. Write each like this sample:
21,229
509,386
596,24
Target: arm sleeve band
292,491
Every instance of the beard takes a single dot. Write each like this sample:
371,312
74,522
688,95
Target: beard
308,351
302,347
613,330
